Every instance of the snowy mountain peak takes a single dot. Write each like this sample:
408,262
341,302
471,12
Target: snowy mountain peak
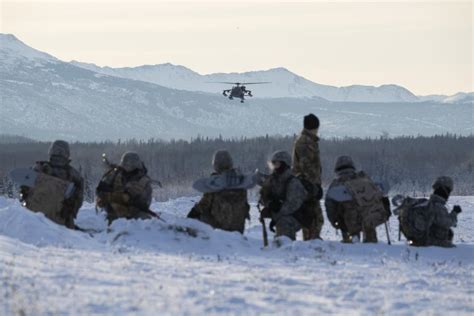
280,70
12,49
5,38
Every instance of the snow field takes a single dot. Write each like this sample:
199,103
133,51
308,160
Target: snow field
185,267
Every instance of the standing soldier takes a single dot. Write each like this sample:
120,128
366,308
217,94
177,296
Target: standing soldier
59,166
125,190
226,209
283,197
307,167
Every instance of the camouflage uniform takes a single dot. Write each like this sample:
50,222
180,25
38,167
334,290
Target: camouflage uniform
125,191
307,165
346,216
440,232
227,209
59,166
283,195
343,215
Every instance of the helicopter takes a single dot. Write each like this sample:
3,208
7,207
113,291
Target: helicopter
239,90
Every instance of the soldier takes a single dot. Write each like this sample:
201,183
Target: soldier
307,167
125,190
283,196
59,166
440,232
226,209
362,210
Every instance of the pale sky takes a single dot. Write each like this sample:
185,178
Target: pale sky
426,47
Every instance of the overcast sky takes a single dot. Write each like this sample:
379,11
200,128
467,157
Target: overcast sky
426,47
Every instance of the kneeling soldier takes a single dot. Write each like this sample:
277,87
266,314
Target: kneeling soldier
55,207
125,190
440,232
354,204
282,196
427,222
226,209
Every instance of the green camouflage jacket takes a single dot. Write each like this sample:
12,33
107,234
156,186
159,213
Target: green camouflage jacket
306,159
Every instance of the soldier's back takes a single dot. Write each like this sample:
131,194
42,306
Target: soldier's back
230,209
306,160
66,172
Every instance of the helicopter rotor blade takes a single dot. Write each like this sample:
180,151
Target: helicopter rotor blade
223,82
239,83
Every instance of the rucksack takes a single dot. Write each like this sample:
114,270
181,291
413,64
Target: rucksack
415,219
369,200
230,209
305,215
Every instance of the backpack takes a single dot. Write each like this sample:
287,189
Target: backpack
415,219
369,200
305,215
230,209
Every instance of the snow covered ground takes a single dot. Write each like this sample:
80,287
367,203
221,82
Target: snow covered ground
184,267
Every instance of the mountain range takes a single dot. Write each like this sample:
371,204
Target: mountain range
283,83
44,98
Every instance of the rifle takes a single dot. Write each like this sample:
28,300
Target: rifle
388,235
264,227
386,205
153,214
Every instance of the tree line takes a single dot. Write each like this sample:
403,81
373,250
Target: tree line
407,164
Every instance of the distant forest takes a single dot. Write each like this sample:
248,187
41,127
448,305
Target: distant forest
408,164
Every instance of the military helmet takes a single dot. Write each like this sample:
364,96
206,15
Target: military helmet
131,161
59,148
344,162
444,182
282,156
222,161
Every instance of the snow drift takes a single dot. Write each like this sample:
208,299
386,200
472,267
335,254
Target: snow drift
182,266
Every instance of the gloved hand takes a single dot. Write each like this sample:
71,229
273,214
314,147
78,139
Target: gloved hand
457,209
24,191
266,213
274,206
272,226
